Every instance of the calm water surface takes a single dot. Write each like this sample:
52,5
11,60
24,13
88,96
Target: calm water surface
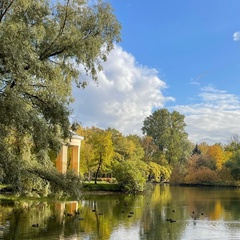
200,213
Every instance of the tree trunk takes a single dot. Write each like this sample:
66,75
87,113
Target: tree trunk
99,166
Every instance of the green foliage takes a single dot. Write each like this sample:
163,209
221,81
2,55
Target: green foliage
41,48
102,147
234,143
61,185
235,172
131,175
34,179
125,148
167,132
233,165
87,164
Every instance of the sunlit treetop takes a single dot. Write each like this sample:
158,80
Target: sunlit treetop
43,43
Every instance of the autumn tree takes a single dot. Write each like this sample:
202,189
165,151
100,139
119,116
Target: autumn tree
102,146
203,148
128,168
42,44
138,152
124,147
87,163
96,142
205,166
158,173
149,147
218,154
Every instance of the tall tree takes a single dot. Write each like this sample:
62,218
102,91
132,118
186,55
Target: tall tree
149,148
103,149
167,131
87,164
41,47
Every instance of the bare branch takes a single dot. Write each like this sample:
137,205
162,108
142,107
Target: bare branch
31,96
44,55
4,11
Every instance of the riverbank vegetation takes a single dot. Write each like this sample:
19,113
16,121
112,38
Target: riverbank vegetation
41,48
44,48
164,154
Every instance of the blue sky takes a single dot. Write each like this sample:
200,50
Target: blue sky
180,55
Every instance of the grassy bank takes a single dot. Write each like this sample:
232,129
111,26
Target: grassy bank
101,186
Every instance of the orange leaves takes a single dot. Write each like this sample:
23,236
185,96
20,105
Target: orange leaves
206,168
217,153
202,175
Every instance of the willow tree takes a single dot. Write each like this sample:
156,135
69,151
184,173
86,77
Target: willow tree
167,131
42,45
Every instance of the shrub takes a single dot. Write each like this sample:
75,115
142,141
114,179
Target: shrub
131,175
177,176
201,176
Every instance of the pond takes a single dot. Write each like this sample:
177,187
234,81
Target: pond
198,213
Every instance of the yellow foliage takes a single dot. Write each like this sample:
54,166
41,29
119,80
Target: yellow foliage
159,172
217,153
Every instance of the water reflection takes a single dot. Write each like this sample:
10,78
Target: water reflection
197,213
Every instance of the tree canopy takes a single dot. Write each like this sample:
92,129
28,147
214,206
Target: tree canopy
167,132
42,45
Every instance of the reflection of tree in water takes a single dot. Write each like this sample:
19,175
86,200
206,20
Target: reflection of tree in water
21,218
69,219
159,207
99,216
110,211
215,203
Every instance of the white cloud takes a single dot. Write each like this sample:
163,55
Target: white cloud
126,94
195,83
236,36
215,119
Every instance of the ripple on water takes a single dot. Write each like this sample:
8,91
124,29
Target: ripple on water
211,230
